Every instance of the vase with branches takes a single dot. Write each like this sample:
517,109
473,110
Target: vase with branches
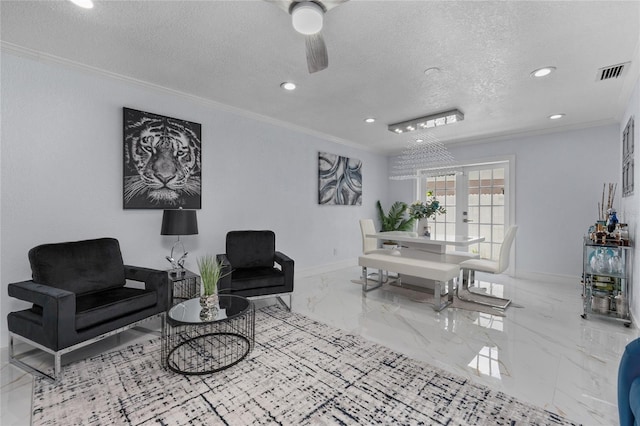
427,209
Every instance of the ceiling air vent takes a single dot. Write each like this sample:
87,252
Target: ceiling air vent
613,71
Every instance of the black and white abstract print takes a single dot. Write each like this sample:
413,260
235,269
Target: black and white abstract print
162,162
339,180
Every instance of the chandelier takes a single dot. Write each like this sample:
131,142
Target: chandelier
425,157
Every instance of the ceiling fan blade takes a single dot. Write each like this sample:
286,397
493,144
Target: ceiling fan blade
286,5
317,58
282,4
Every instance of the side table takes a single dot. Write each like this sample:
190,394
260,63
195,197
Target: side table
185,286
195,344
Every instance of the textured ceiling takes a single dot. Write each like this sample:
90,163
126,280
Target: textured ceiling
238,52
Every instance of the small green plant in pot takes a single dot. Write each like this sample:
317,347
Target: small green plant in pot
210,273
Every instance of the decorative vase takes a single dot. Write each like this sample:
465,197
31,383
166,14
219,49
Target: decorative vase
209,304
209,300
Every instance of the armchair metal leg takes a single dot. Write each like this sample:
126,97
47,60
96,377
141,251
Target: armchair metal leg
15,360
57,355
284,305
467,274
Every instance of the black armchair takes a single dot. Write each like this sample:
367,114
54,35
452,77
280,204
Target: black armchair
254,268
79,297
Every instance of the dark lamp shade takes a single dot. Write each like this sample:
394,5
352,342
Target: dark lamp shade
179,222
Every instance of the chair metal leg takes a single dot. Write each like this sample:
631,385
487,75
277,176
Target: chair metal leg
467,275
377,275
365,281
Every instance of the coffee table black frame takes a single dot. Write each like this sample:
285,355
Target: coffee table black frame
195,346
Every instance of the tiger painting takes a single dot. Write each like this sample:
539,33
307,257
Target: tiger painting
162,158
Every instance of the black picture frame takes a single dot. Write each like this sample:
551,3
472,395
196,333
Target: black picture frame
162,164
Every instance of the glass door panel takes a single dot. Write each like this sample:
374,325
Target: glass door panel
475,203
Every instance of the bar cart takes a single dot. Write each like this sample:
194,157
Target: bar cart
606,273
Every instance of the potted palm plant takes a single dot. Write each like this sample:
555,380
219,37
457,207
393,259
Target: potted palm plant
395,220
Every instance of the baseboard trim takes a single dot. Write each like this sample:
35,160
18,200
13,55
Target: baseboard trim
327,267
541,276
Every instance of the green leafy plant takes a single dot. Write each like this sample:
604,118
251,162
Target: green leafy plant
210,272
395,220
430,208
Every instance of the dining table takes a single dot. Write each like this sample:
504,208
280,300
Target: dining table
437,245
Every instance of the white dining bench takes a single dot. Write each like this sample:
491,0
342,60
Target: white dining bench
442,273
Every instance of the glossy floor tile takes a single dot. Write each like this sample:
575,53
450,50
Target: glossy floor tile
541,352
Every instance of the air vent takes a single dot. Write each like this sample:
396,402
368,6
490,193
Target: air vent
613,71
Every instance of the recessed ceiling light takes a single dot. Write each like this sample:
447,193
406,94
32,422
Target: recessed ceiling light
556,116
369,120
86,4
542,72
287,85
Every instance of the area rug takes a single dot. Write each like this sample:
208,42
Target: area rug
300,372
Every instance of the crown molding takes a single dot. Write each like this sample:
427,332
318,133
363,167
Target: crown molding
36,55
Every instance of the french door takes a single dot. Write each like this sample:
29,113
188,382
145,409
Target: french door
476,202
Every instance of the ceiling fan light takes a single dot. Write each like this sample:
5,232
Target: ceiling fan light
85,4
307,17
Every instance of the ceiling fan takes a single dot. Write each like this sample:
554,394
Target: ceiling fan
307,18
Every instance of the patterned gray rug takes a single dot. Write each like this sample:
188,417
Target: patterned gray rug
300,372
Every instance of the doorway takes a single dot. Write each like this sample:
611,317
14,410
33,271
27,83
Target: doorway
476,201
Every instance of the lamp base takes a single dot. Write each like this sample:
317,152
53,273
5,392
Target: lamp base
178,272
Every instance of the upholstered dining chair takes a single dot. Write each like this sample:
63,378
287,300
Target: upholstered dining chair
469,267
369,244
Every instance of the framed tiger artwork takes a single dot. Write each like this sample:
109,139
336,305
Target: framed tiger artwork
162,162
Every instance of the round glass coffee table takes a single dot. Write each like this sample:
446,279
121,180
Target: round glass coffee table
199,341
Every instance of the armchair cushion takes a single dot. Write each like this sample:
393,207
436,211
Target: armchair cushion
251,249
79,267
252,278
103,306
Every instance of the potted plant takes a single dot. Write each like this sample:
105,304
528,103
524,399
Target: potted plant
210,273
430,208
395,220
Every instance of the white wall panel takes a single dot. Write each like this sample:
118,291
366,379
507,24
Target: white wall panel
62,175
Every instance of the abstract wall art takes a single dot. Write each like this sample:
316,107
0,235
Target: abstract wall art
162,162
339,180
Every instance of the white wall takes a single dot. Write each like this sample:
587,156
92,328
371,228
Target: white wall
558,182
630,207
61,175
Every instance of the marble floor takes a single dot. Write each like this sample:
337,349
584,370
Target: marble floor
541,352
